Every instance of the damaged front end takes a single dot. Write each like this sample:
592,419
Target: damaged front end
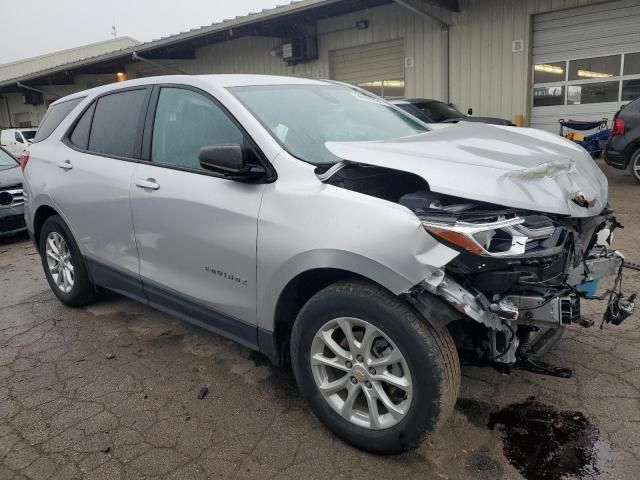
528,213
521,274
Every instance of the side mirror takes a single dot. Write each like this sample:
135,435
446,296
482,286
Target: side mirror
470,111
229,161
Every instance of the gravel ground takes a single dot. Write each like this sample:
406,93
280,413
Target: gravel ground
111,391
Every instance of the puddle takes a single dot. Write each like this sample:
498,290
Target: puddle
541,442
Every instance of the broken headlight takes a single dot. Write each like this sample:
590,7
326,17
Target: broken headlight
478,237
481,228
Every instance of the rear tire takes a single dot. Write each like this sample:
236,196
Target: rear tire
425,379
634,165
64,265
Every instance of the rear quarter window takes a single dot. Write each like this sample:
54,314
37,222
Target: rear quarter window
54,116
80,135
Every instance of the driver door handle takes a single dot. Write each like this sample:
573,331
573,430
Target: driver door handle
148,184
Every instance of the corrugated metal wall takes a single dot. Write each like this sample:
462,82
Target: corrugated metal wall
484,74
422,40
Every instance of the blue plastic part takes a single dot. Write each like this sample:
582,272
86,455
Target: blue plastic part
588,288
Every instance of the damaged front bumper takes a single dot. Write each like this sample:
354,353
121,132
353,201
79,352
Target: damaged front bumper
504,314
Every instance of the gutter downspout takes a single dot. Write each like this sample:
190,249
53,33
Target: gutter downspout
175,70
445,64
27,87
406,4
6,101
444,25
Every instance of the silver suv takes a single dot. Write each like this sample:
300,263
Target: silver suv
324,227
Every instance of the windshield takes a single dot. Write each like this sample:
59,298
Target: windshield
28,134
439,112
6,160
303,117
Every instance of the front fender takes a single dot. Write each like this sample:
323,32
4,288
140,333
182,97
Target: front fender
326,258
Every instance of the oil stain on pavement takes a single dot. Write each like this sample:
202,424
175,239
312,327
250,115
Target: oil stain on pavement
541,442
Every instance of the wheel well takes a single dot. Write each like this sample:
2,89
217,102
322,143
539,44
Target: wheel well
41,216
293,297
631,148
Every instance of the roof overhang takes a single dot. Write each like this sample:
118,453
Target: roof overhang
282,21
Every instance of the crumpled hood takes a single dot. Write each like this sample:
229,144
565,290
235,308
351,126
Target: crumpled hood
515,167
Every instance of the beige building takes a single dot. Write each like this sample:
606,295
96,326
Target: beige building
538,60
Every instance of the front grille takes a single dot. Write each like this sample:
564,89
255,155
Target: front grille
569,310
11,196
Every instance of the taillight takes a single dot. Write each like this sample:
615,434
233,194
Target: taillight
618,127
23,160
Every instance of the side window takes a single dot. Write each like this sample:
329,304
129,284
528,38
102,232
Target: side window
80,135
18,137
185,121
54,117
116,121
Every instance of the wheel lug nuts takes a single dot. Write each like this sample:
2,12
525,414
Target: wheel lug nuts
348,364
354,380
368,384
359,358
372,371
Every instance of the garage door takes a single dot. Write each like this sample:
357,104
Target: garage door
586,62
376,67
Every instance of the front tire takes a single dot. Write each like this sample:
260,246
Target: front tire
634,165
64,265
372,369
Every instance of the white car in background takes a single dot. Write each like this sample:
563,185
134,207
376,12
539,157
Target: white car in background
17,140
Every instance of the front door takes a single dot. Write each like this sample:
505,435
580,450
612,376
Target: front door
196,232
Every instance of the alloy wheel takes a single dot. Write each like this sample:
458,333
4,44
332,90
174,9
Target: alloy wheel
361,373
59,262
635,164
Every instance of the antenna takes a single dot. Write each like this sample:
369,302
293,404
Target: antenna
114,32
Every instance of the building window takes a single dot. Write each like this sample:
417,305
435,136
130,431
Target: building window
550,72
592,93
548,96
605,79
594,68
632,64
630,89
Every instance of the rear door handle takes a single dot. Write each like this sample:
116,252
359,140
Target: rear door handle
149,184
66,165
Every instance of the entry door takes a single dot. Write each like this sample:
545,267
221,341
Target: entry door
196,232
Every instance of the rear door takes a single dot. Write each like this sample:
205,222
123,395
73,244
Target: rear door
96,167
196,231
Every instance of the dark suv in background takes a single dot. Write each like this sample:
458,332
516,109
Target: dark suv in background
434,111
623,147
11,196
